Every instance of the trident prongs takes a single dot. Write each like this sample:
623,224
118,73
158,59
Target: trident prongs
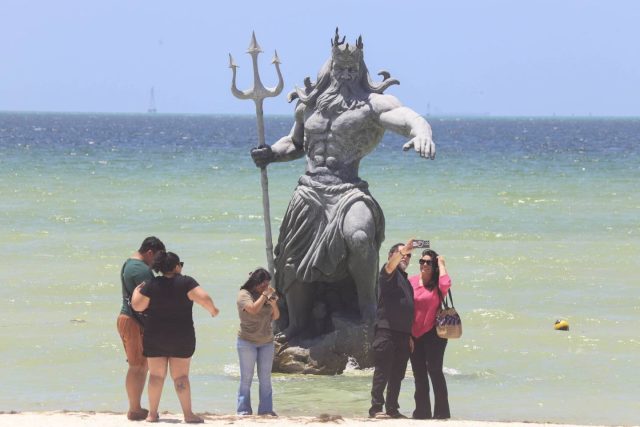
258,92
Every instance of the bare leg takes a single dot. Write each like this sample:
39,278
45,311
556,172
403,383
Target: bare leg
157,374
134,383
180,374
131,335
359,231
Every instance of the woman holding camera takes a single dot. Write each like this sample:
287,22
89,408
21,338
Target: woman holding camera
169,337
257,308
429,287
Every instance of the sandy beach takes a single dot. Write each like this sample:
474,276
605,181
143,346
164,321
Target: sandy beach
112,419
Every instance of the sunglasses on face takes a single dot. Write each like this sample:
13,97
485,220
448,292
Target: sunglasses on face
426,261
181,263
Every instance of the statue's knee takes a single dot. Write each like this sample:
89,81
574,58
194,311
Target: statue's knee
359,218
359,240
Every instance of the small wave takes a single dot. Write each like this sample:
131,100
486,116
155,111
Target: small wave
494,314
352,369
232,370
352,364
366,372
456,373
63,219
451,371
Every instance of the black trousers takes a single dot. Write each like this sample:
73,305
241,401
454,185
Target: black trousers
390,355
426,362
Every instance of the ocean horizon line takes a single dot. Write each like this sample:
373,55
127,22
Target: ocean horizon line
448,116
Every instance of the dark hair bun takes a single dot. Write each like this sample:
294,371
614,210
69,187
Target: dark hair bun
165,262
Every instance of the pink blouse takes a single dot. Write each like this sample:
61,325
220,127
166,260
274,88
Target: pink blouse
426,303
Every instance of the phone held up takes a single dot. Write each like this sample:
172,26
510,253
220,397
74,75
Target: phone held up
421,244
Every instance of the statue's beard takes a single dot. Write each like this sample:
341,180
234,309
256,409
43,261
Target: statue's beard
340,96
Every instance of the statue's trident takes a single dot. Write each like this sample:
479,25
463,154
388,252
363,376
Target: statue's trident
258,93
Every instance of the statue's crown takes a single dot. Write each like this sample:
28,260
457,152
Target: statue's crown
342,53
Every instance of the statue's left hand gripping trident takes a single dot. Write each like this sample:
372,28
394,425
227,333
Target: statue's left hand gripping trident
258,93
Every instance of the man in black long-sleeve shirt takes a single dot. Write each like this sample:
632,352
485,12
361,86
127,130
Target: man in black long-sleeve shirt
392,338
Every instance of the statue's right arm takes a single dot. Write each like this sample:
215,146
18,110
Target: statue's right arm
287,148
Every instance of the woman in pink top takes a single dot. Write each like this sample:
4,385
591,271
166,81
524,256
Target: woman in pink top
427,357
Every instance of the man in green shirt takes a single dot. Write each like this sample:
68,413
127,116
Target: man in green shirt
135,271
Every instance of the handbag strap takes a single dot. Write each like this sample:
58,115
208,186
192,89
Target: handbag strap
443,300
451,298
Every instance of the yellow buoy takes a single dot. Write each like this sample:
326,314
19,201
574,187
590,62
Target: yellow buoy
561,325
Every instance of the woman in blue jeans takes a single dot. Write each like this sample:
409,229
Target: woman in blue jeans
257,308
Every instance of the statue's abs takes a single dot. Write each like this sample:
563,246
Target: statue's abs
335,146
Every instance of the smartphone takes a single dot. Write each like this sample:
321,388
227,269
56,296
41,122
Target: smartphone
422,244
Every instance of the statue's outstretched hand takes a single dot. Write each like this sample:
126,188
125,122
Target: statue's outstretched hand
424,146
262,156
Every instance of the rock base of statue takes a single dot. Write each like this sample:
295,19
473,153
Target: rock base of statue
328,354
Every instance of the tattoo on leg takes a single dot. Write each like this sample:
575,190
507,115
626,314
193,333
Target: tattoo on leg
181,384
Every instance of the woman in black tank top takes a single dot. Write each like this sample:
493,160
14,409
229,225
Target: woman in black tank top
169,336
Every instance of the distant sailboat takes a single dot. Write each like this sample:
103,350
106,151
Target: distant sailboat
152,102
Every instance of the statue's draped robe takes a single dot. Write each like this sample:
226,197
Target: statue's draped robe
311,246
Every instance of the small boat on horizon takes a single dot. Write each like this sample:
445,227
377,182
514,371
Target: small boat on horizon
152,102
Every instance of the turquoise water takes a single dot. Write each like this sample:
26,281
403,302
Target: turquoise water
538,220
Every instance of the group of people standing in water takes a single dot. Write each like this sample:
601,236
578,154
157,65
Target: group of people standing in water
156,327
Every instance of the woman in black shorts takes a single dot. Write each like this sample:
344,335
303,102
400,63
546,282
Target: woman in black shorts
169,337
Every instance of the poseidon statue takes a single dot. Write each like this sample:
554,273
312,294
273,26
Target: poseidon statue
327,251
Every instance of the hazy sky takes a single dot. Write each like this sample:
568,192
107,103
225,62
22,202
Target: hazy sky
506,57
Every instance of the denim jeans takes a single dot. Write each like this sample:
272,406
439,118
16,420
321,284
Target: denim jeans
250,355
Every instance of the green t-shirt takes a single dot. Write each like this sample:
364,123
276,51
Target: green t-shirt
134,272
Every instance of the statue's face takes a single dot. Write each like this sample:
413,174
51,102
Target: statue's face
342,71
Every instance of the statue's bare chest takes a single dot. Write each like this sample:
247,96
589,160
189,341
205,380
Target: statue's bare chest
351,134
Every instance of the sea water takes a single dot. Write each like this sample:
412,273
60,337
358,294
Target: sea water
538,220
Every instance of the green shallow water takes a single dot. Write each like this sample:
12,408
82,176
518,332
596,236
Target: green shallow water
538,220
